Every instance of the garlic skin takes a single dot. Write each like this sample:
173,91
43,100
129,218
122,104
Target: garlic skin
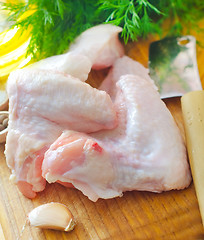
3,125
52,216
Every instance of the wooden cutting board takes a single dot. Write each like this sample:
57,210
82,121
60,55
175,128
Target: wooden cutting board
136,215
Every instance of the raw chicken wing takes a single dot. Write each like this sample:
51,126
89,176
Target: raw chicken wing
97,47
122,66
76,65
100,44
41,105
144,152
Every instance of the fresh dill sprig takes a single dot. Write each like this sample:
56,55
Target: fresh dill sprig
56,23
134,16
142,17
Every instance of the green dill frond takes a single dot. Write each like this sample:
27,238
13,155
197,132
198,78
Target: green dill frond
142,17
133,16
56,23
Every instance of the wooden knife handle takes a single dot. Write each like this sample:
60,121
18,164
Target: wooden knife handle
192,105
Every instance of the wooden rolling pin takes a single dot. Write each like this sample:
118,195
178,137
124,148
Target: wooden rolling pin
193,113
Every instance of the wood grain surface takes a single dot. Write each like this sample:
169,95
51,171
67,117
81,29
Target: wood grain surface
136,215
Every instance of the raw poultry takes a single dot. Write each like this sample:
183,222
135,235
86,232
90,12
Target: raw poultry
46,102
132,156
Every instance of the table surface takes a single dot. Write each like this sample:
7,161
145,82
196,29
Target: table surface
136,215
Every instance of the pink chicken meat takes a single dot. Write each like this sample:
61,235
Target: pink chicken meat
47,97
144,152
100,44
123,66
41,105
103,142
74,64
98,48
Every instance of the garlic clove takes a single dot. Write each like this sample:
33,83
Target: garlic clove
4,115
52,216
3,100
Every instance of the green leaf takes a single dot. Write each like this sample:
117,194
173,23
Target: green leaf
56,23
